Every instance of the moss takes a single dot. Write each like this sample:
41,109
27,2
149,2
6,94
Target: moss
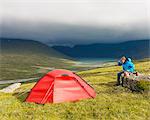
143,85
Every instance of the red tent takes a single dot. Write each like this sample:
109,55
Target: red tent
60,86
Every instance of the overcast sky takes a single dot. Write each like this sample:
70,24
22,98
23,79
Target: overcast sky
75,21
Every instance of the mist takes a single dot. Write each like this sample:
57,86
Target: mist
75,22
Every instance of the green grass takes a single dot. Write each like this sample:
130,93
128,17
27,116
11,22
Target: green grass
111,102
144,85
20,66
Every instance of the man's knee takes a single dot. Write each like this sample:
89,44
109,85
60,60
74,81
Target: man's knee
119,74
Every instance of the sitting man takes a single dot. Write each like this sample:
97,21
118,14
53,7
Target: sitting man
128,67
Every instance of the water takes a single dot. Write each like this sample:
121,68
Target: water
95,62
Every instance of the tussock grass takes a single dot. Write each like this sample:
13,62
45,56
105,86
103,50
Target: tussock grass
111,102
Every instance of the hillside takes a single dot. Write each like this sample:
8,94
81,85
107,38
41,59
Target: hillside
22,46
24,58
137,49
111,103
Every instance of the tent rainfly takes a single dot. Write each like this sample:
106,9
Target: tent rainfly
60,86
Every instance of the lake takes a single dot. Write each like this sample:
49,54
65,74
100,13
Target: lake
94,62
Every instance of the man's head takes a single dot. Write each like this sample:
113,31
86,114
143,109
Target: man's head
123,59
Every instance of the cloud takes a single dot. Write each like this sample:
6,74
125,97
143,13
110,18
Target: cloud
75,21
58,33
77,12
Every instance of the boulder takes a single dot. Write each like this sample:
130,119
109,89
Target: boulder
11,88
137,83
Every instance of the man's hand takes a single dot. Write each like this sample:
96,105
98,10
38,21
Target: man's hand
126,74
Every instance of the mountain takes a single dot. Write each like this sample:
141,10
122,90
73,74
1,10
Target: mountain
28,58
136,49
22,46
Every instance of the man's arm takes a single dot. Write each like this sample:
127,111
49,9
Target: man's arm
119,63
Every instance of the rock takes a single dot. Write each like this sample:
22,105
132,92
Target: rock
137,83
11,88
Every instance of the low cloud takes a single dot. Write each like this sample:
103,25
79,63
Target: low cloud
56,33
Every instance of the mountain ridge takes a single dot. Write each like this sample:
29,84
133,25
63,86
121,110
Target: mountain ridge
21,59
136,49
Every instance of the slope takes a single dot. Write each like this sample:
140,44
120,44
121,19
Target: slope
111,103
24,58
138,49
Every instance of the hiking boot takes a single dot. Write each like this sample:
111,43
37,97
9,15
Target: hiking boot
117,84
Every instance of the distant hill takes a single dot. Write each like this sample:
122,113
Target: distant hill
25,58
22,46
136,49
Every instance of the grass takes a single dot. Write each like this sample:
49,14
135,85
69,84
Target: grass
111,102
144,85
17,66
22,66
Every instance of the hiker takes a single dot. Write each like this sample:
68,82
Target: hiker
128,68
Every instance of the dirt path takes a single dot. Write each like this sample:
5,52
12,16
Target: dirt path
41,67
28,79
16,80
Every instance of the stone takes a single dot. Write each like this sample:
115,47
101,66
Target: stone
11,88
133,82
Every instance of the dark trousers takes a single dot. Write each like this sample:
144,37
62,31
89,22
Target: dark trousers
118,78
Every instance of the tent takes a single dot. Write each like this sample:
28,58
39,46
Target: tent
60,86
